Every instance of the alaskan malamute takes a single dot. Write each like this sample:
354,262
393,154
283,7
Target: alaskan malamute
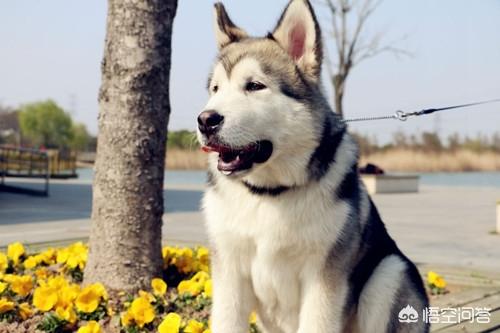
293,232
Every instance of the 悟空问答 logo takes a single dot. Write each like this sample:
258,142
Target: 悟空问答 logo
408,315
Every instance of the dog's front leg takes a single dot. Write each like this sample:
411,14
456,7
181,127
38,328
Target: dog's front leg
233,299
322,306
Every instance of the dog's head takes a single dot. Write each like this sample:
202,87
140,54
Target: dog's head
265,114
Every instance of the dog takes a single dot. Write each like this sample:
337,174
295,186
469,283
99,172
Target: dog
293,233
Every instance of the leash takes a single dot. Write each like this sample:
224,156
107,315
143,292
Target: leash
403,116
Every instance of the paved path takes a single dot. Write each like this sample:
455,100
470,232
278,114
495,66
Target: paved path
440,225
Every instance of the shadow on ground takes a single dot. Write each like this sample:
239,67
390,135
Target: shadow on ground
74,201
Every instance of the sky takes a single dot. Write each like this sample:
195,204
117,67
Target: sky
53,49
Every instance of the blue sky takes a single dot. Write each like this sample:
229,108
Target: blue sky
53,49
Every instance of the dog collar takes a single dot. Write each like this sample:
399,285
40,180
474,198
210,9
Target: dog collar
271,191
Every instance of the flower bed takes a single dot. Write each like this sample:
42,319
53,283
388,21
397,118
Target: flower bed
43,293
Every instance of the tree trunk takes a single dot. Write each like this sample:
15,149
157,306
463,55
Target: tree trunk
338,94
125,239
338,98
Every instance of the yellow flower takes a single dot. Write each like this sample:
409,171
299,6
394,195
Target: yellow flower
6,305
194,326
48,256
76,260
22,285
171,323
201,277
159,286
436,280
189,286
183,260
142,311
25,311
89,298
67,313
57,282
3,286
99,287
67,295
165,253
31,262
253,318
440,283
42,273
147,296
207,288
431,277
15,251
127,318
62,256
91,327
101,290
4,262
73,256
9,277
207,330
203,258
45,298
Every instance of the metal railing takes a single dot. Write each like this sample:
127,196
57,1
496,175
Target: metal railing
26,163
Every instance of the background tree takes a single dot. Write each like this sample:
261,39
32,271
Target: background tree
431,141
80,137
348,19
134,107
182,139
45,124
10,132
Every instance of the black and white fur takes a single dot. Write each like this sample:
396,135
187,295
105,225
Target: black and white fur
294,235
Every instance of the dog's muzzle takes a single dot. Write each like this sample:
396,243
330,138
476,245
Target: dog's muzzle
235,159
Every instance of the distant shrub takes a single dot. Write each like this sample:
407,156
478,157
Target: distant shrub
182,139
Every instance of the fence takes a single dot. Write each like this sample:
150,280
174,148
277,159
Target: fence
32,163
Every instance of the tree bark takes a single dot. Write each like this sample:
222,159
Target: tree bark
134,108
338,94
338,99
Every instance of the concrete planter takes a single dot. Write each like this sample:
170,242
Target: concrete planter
391,183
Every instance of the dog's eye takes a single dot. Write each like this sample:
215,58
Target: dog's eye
215,89
254,86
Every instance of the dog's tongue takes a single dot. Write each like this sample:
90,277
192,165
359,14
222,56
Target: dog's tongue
217,149
233,160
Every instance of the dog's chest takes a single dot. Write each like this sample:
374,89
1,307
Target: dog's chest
278,243
277,278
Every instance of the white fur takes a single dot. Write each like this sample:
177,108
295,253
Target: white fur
278,247
375,304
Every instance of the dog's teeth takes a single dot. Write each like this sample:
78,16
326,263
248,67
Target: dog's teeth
226,173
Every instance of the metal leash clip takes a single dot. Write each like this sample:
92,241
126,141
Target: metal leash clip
401,115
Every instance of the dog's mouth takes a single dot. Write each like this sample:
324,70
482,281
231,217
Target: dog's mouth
235,159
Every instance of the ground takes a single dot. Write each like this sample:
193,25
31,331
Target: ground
445,229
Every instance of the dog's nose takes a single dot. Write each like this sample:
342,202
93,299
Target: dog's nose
209,122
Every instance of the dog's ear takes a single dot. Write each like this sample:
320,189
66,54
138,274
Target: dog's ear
298,32
226,32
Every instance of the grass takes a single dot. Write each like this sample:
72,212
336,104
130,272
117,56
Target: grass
420,161
178,159
390,160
